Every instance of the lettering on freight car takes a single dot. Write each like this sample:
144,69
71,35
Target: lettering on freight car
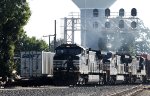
30,55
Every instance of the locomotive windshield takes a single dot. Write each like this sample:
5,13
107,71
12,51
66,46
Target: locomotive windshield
74,50
68,51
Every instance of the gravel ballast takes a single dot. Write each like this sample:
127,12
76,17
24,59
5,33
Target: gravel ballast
62,91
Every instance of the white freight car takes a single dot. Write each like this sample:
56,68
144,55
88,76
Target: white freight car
36,64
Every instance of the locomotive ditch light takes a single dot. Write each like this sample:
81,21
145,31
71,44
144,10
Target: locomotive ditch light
107,24
67,46
107,12
121,24
133,12
133,24
121,12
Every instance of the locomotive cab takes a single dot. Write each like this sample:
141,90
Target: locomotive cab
74,64
67,63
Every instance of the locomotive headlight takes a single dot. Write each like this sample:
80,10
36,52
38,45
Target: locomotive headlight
109,45
57,68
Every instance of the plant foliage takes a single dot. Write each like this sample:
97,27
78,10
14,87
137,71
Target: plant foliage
14,14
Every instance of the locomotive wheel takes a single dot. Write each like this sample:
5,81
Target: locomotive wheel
144,79
127,80
112,80
66,78
82,80
101,81
132,80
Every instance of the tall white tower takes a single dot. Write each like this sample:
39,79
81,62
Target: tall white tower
92,15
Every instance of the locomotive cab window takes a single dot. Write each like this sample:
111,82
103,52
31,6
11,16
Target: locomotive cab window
83,52
69,51
59,51
125,59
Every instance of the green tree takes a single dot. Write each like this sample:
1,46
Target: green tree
129,40
137,41
58,42
14,14
26,43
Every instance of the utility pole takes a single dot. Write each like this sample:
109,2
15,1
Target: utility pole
49,40
54,38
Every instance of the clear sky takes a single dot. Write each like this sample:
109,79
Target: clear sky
44,12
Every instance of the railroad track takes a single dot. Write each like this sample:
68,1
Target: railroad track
117,90
130,92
